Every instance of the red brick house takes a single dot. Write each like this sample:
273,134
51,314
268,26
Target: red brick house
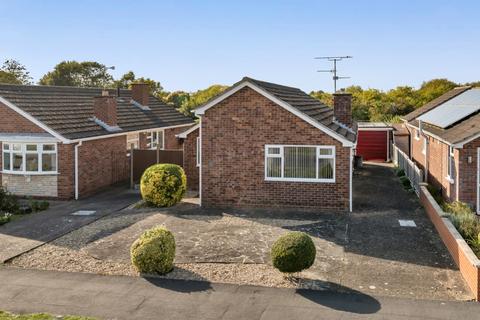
263,144
65,142
445,143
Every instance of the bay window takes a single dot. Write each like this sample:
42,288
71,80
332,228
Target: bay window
300,163
29,158
155,139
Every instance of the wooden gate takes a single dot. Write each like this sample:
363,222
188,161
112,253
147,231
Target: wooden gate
142,159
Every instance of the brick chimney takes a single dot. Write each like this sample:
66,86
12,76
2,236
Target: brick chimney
342,107
140,92
105,108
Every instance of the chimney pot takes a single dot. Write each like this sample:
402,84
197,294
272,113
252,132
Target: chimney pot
342,107
105,109
140,93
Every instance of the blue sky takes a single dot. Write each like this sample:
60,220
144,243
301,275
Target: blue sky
192,44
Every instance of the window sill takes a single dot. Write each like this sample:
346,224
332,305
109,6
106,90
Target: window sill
450,180
299,180
22,173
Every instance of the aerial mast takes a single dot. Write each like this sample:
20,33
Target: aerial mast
334,70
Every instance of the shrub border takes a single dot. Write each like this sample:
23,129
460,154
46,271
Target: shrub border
466,260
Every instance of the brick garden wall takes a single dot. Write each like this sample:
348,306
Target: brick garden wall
234,134
190,160
467,262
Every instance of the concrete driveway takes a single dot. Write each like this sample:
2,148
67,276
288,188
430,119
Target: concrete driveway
36,229
366,251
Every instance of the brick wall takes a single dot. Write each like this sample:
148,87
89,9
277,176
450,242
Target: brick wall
172,142
66,170
190,160
33,185
437,164
467,262
234,134
11,121
467,161
102,162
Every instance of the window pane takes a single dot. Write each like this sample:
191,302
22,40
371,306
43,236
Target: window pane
274,167
326,151
31,147
17,162
48,147
49,162
300,162
325,168
31,162
17,147
6,147
273,150
160,139
6,161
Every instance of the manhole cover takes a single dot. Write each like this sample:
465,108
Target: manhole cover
84,213
407,223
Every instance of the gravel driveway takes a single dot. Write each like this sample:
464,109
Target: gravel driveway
366,250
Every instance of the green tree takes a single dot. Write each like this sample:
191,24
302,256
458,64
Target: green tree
14,72
177,98
200,97
128,78
78,74
402,100
325,97
434,88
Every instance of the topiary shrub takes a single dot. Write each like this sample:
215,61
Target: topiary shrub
154,251
163,185
293,252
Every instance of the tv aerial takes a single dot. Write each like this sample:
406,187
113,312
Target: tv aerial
334,70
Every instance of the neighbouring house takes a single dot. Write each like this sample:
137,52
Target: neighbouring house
263,144
66,142
445,143
374,139
401,138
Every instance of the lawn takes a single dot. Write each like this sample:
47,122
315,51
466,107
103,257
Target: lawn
38,316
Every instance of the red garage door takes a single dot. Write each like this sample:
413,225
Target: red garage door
372,145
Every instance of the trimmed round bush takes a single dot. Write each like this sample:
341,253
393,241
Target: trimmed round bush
293,252
154,251
163,185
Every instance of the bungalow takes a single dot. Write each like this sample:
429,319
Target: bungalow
66,142
264,144
445,143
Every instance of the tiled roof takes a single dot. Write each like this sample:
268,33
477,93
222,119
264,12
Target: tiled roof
68,110
459,131
306,104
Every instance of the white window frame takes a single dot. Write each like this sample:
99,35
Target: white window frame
319,156
424,146
151,142
198,153
39,152
450,164
135,141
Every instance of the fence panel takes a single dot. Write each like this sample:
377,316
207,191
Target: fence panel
142,159
414,173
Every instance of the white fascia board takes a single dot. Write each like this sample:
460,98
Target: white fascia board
432,135
200,111
374,129
28,138
184,135
33,119
127,132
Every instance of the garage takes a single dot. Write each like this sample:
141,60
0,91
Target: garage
373,142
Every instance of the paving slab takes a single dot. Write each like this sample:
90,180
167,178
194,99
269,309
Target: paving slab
175,299
36,229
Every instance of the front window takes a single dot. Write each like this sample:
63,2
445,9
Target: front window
450,163
300,163
424,146
155,139
29,158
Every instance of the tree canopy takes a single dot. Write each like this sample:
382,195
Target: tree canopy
191,101
78,74
13,72
128,78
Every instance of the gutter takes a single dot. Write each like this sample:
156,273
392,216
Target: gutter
77,146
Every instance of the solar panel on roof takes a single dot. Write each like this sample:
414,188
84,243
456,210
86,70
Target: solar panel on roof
453,110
